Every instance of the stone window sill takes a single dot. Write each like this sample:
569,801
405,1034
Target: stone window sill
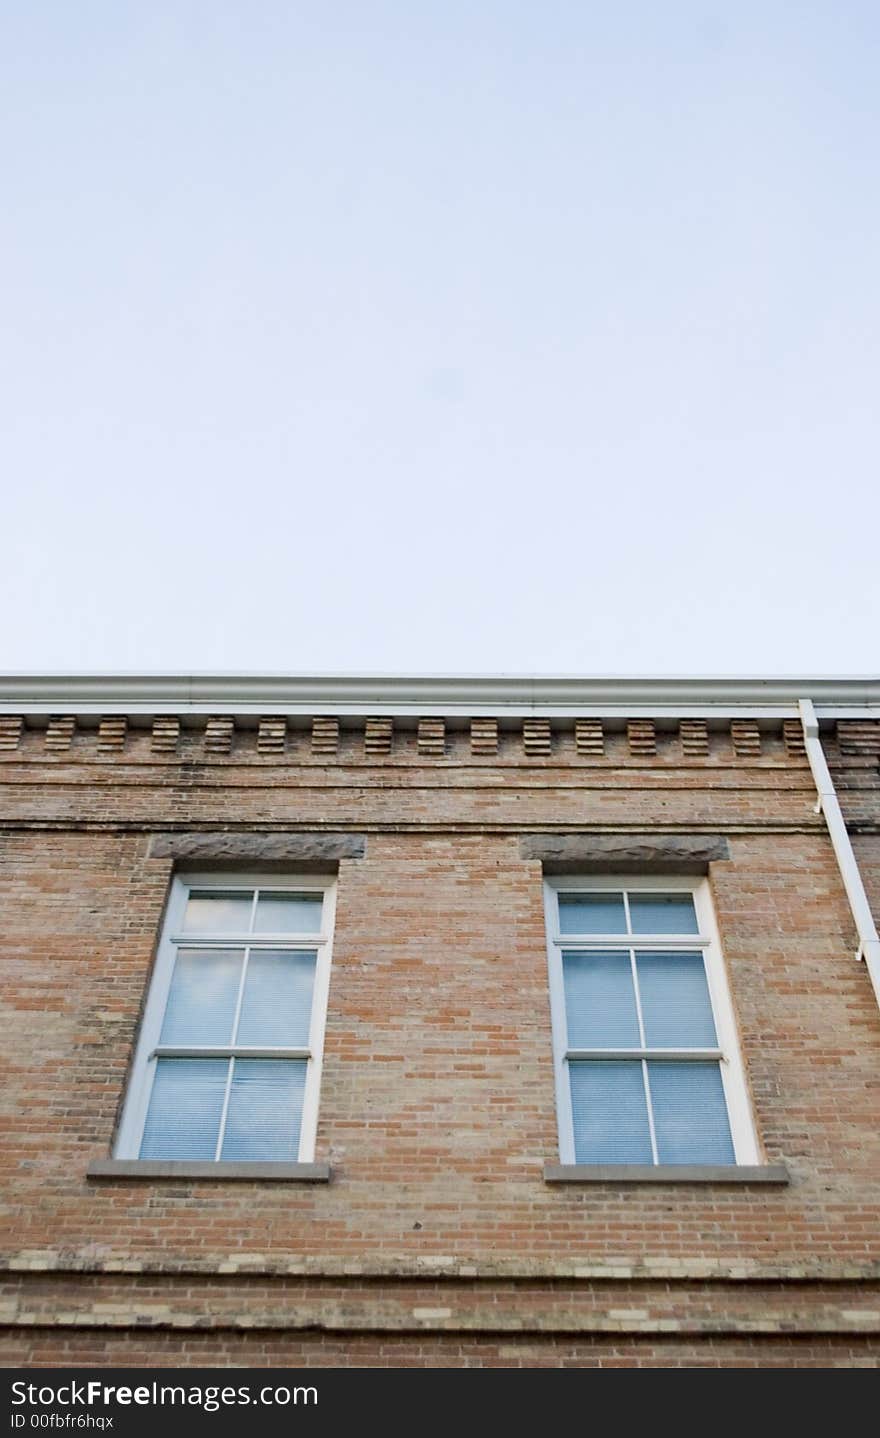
112,1168
768,1173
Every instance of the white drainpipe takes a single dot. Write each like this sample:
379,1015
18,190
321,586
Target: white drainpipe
829,805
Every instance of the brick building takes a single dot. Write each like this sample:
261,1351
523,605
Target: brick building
440,1022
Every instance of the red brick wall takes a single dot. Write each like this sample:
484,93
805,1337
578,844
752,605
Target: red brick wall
437,1105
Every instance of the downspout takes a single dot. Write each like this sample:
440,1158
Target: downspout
829,805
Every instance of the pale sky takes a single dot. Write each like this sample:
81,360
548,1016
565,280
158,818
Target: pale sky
440,335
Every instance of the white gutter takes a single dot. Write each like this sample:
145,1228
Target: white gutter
829,805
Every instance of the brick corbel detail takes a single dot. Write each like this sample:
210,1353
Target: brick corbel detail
484,736
11,726
432,737
111,734
272,735
378,736
325,735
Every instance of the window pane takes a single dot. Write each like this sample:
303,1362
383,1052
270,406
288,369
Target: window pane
690,1115
662,914
600,1004
289,914
676,1009
265,1110
204,992
610,1113
216,913
591,914
277,1003
183,1120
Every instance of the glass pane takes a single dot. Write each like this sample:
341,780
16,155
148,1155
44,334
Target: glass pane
676,1009
277,1003
690,1115
216,913
591,914
600,1004
662,914
610,1113
183,1120
203,995
265,1110
289,914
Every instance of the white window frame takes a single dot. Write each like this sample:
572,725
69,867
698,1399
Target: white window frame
149,1050
728,1054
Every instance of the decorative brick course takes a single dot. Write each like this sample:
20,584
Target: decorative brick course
859,737
642,738
432,737
536,737
10,732
694,738
60,732
589,737
378,737
325,735
272,735
47,1348
111,734
166,733
746,738
218,735
484,736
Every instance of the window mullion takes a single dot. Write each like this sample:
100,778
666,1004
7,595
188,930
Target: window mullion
238,1003
650,1105
626,912
222,1130
642,1038
635,980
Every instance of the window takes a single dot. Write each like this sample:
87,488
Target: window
228,1063
648,1069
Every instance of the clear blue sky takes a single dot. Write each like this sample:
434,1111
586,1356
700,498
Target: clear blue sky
483,336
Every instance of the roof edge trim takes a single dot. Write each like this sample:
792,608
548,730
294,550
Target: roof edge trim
471,695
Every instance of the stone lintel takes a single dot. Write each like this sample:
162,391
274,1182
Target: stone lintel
571,853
